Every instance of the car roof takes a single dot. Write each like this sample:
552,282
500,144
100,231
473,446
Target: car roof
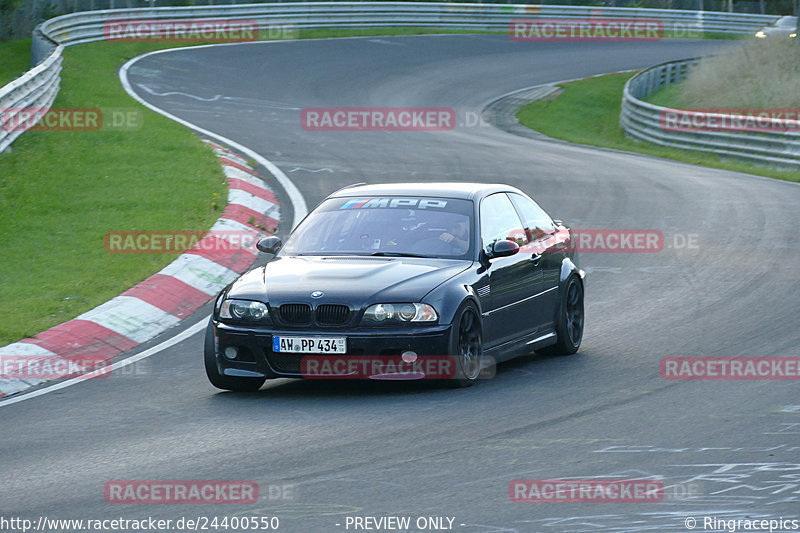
454,189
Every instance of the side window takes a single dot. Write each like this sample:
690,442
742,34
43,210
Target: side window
499,221
535,221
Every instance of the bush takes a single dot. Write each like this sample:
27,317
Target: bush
756,74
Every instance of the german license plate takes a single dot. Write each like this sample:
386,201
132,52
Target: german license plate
309,344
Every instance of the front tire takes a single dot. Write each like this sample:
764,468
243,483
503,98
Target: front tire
569,330
221,381
466,346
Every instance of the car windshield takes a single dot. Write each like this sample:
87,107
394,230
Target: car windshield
787,22
386,226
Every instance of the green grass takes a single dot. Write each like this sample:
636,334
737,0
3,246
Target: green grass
61,191
15,59
669,96
587,112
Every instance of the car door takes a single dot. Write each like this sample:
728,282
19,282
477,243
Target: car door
513,280
542,243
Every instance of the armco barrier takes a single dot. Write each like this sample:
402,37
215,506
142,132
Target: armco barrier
36,89
41,83
642,120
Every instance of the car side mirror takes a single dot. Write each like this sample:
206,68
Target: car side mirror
269,245
503,249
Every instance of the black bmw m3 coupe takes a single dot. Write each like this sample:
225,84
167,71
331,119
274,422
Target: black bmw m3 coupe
401,281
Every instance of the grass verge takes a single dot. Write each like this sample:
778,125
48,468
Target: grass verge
587,112
16,59
61,191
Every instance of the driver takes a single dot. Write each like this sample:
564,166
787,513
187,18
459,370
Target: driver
457,236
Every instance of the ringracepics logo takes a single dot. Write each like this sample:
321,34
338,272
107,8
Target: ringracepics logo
181,31
180,492
378,119
733,120
586,491
590,29
69,119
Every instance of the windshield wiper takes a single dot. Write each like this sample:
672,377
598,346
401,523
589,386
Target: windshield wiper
398,254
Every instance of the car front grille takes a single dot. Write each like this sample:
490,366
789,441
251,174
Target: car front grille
323,315
285,362
295,314
332,314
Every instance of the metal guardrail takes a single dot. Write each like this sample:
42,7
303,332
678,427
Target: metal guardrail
644,121
88,26
81,27
33,91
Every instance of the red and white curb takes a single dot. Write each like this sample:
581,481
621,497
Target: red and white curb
162,300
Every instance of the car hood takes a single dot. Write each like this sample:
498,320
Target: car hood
356,281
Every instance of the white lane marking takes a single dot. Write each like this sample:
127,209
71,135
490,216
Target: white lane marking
323,169
247,101
179,93
131,317
381,41
298,202
185,334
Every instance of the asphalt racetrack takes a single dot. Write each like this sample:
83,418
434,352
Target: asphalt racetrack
323,453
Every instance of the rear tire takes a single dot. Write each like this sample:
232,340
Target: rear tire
569,331
221,381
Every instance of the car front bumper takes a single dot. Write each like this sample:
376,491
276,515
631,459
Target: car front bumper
256,358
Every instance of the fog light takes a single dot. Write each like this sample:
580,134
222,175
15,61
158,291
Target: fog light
231,352
409,357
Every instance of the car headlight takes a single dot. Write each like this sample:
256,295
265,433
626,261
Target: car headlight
793,35
243,310
760,34
393,313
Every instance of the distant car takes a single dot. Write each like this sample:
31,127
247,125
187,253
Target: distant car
472,272
784,27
